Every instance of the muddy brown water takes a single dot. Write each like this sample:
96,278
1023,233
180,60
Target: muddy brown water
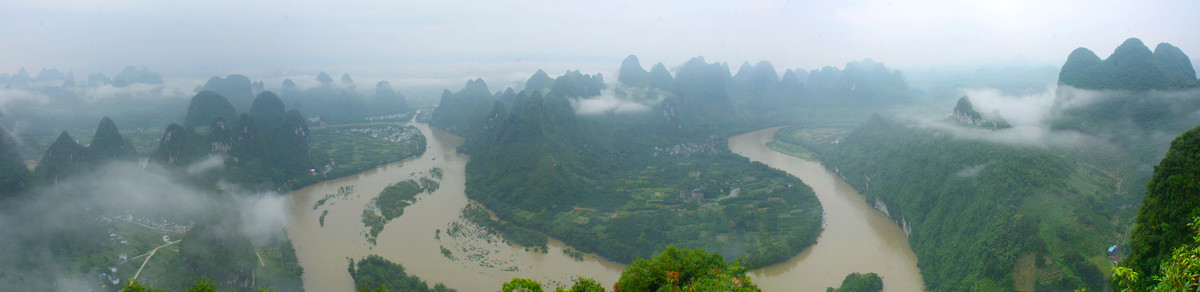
857,238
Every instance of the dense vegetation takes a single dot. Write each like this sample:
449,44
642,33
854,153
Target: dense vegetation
374,273
856,282
1143,99
214,246
14,175
1164,222
1132,66
979,212
393,199
348,150
965,113
66,157
540,165
673,269
265,147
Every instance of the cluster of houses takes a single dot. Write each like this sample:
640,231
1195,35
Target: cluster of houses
109,277
685,149
392,117
388,134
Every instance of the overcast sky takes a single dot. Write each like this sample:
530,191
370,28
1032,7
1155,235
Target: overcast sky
430,42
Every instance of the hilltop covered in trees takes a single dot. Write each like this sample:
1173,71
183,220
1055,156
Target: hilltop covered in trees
1164,240
265,145
553,162
1132,66
978,211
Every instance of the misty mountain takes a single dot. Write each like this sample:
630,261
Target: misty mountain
576,84
98,79
701,101
861,83
21,78
207,106
14,175
387,100
974,209
1132,66
338,103
53,74
1131,99
660,78
131,75
108,145
265,146
791,81
66,157
632,74
965,113
236,88
540,82
543,154
347,81
324,78
269,110
62,159
463,112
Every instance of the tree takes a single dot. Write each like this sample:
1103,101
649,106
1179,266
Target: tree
684,269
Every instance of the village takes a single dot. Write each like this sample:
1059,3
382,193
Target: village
135,241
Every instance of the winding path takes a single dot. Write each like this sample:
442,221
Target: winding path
150,255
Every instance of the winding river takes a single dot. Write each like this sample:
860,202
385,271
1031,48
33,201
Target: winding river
857,238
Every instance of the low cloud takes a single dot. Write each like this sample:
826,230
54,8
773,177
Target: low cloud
1030,116
14,96
53,212
1026,110
618,101
170,88
971,171
212,162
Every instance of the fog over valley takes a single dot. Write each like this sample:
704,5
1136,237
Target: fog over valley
468,145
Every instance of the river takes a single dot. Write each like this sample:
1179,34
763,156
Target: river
857,238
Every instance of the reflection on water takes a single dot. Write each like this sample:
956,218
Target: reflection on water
857,238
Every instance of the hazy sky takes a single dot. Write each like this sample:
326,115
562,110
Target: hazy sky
431,41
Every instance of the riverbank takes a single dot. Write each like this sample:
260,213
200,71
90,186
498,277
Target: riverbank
857,237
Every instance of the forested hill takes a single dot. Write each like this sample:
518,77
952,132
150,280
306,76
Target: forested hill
1132,66
1164,235
265,146
331,102
981,215
965,113
626,181
14,175
1137,99
66,157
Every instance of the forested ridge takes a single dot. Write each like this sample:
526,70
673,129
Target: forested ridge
987,215
1164,240
626,184
974,209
